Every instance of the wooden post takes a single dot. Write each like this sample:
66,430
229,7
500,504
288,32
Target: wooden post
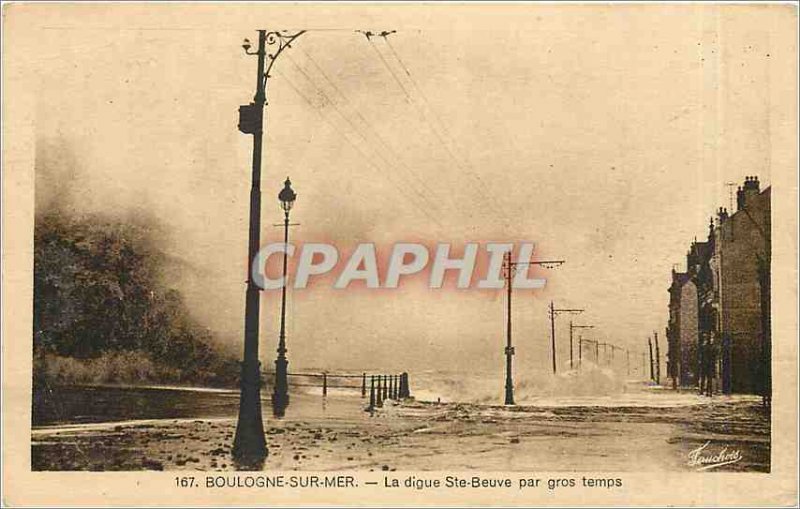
628,361
644,369
324,384
379,396
372,393
658,361
385,387
363,385
405,391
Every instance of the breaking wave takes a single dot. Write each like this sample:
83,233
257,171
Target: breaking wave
589,380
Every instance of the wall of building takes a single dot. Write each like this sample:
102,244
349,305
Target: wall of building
740,241
719,298
687,319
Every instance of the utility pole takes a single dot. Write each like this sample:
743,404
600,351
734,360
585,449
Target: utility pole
571,328
553,312
509,399
249,444
650,344
644,365
571,366
628,362
605,352
509,267
658,359
613,348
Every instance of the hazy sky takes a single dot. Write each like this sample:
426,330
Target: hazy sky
604,134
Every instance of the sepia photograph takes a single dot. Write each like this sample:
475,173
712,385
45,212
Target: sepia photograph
402,239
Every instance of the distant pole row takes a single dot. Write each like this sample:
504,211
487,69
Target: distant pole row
608,355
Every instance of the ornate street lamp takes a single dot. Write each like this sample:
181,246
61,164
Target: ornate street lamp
280,395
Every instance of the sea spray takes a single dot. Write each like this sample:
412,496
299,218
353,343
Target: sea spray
529,387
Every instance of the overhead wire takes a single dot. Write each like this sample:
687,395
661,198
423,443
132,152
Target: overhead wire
358,149
371,127
355,128
436,131
391,71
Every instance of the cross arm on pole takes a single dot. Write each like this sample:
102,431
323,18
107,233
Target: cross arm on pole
545,263
555,312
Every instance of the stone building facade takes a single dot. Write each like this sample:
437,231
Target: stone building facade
682,331
741,260
719,332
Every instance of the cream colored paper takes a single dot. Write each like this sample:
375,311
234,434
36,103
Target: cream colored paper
632,113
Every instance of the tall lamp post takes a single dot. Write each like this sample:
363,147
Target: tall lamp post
249,445
280,396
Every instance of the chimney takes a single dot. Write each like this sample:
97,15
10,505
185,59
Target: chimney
691,257
722,215
745,194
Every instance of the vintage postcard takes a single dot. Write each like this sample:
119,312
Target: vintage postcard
399,254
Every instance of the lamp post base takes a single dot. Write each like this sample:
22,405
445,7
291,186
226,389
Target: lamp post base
509,396
249,445
280,395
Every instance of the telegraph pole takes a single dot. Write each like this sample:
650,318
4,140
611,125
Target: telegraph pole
650,344
509,399
571,328
644,365
596,349
553,312
249,444
628,361
605,352
509,267
613,348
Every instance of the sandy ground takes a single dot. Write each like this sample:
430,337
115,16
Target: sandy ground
595,435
